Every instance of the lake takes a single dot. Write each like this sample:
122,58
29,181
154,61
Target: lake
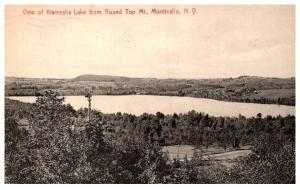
138,104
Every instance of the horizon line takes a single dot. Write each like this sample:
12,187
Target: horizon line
147,77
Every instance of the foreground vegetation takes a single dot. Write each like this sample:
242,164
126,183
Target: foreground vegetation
248,89
60,145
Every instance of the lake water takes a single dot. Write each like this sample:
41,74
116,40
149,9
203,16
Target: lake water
138,104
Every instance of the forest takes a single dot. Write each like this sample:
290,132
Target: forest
250,89
50,142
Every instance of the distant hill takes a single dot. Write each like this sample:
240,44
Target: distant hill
107,78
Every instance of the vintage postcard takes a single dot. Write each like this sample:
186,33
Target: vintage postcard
150,94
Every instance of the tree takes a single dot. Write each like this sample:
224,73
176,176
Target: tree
17,157
58,155
99,154
206,137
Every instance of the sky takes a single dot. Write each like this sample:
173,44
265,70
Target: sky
217,42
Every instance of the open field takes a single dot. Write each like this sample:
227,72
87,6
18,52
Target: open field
273,94
212,153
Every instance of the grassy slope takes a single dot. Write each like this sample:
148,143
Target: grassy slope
274,93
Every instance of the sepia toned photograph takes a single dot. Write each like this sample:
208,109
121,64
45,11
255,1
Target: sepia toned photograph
149,94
